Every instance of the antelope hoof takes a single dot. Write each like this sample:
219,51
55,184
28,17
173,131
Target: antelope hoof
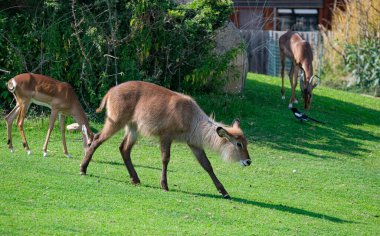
68,155
135,181
164,187
83,170
29,152
290,105
295,101
226,196
45,154
12,150
283,97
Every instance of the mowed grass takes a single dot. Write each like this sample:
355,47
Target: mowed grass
305,179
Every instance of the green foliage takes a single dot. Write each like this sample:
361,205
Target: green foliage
95,45
175,42
363,61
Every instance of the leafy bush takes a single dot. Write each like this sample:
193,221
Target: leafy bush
173,42
363,61
95,45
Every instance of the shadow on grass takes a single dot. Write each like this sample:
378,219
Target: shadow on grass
338,135
115,163
266,118
278,207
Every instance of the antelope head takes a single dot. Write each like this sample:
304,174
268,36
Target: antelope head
307,87
236,146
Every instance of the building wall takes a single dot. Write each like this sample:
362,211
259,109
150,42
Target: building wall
279,3
247,11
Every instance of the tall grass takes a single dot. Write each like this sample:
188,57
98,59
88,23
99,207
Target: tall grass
353,23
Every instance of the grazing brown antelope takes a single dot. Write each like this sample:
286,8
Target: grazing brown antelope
299,51
42,90
150,110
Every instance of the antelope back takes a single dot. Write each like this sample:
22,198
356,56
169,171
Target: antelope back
25,85
150,109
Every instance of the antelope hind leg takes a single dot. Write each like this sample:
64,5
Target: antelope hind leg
9,120
125,151
24,106
165,154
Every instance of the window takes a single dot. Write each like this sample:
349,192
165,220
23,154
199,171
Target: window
297,19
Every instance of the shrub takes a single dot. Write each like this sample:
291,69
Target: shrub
95,45
363,61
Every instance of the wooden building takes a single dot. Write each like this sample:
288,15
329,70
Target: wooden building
281,15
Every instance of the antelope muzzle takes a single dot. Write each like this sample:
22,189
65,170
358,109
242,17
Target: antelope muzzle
245,162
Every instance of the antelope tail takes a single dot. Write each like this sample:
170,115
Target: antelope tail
102,104
11,85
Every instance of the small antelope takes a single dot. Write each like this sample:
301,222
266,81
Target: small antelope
150,110
42,90
299,51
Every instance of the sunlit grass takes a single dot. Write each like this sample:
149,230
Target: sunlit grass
306,179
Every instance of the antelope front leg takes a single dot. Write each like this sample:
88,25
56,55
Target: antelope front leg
53,117
292,85
295,81
205,163
9,120
282,60
165,154
62,123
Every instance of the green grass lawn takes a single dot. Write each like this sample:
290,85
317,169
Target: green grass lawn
305,179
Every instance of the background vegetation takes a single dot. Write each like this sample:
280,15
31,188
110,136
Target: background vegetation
305,179
94,45
353,46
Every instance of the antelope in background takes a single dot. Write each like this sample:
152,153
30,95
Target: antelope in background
150,110
42,90
299,51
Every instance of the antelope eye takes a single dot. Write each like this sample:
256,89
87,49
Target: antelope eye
240,145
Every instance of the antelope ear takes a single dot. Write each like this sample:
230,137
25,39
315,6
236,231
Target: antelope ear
236,123
223,133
